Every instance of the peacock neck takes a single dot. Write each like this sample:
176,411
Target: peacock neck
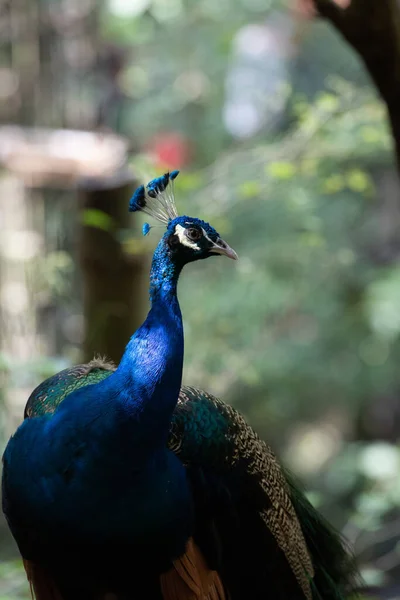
150,373
164,275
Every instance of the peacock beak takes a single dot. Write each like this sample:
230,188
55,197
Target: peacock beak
221,247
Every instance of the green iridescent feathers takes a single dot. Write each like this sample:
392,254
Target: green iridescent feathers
49,394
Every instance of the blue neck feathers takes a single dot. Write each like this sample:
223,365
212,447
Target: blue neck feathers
149,376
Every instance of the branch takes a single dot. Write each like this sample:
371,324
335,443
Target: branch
372,28
61,157
332,12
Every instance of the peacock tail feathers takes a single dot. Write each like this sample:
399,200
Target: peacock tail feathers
336,569
232,443
318,556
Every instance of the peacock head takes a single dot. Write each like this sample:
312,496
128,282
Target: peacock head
187,239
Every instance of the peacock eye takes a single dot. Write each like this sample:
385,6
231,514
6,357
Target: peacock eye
193,234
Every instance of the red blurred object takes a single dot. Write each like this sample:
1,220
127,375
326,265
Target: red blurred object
171,150
306,8
342,3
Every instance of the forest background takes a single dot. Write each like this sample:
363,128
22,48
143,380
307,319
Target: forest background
282,116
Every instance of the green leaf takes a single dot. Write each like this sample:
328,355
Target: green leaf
92,217
281,170
189,182
312,239
371,135
333,184
327,102
249,189
358,181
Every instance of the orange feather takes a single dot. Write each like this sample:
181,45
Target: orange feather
190,578
41,584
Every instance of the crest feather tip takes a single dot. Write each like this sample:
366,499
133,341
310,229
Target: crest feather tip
146,228
138,201
156,199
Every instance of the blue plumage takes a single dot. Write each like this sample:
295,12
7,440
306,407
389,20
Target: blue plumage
126,419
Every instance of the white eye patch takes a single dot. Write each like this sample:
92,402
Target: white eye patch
180,232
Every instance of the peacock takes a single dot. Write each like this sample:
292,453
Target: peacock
120,484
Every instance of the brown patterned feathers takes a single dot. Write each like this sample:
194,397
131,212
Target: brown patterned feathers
240,448
266,525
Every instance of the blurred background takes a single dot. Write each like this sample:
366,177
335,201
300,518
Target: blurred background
284,147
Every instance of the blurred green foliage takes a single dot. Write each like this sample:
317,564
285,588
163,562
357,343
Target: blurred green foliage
303,333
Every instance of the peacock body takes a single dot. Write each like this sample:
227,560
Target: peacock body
120,483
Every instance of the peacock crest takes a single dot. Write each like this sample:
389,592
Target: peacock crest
156,199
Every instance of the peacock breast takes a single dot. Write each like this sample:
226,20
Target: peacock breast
89,488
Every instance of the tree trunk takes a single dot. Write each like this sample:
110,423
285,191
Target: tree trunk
372,28
19,340
113,283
